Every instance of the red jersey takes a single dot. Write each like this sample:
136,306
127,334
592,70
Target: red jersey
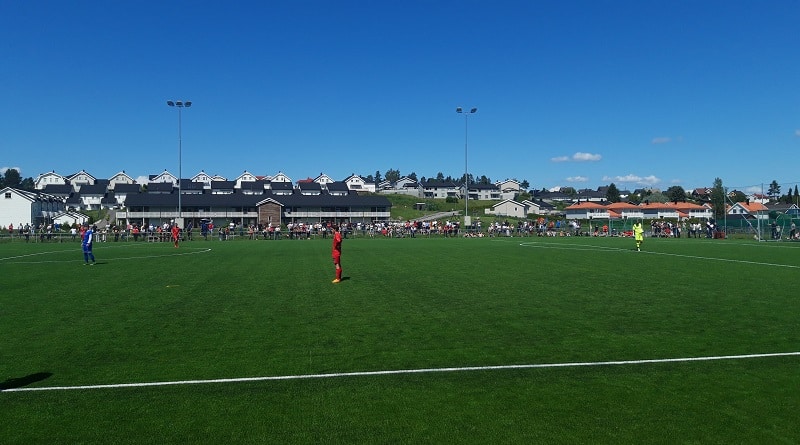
175,232
337,244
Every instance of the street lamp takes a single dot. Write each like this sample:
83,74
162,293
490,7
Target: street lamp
466,114
179,104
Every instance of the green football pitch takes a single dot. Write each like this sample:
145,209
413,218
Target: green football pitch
426,340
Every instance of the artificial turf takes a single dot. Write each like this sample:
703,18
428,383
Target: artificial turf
248,309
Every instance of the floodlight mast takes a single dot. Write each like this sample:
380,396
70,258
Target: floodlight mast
179,105
460,110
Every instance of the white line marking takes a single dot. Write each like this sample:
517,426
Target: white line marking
648,252
194,251
407,371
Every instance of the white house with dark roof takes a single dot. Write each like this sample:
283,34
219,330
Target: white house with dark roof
245,177
440,189
323,179
49,178
164,176
91,196
310,188
281,187
22,206
358,184
120,178
80,179
253,187
121,192
204,179
508,208
509,186
487,192
337,188
281,177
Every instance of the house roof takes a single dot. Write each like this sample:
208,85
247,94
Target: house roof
159,187
246,200
127,188
58,189
96,189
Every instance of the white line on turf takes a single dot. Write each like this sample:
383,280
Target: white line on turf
408,371
193,251
649,252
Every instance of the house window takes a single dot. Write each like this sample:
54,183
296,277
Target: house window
8,195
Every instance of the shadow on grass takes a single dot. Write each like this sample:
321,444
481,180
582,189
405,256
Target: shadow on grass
25,381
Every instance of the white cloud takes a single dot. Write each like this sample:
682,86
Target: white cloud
578,157
650,180
662,140
634,179
581,157
577,179
142,179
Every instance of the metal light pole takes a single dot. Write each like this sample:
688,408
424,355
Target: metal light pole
179,104
467,220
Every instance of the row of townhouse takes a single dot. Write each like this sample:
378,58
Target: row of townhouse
438,189
249,199
677,210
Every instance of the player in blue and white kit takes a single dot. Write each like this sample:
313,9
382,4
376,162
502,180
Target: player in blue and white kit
86,243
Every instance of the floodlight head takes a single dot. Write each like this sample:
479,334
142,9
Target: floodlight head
473,110
170,103
178,103
187,104
459,110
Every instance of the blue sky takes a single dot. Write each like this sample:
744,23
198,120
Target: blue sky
574,93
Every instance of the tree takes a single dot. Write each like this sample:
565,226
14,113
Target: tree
718,198
28,184
525,184
377,176
412,175
440,176
12,178
612,193
676,194
738,196
774,190
392,175
570,191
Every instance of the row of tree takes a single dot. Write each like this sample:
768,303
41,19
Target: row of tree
393,175
12,178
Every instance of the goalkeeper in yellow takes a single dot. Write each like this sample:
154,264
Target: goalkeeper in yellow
638,235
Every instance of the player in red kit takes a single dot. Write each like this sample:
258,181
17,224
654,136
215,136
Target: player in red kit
176,233
337,253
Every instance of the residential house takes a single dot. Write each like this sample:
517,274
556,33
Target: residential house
80,179
118,179
25,207
440,189
508,208
49,178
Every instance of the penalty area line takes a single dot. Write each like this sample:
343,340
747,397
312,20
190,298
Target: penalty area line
407,371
